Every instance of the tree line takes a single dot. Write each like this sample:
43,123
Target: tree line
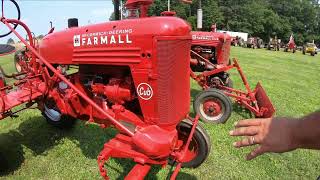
259,18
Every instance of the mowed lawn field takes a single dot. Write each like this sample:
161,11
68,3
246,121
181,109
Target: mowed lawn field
32,149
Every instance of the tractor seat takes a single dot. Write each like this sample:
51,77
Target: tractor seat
6,49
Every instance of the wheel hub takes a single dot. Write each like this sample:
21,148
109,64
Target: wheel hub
211,108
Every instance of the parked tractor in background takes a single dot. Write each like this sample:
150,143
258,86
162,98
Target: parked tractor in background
237,41
254,43
274,44
131,76
291,46
210,63
251,43
310,48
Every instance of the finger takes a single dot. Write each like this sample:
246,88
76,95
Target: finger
256,152
248,122
245,131
249,141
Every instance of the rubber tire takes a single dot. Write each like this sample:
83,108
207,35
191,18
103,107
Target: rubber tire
216,94
312,53
203,139
65,122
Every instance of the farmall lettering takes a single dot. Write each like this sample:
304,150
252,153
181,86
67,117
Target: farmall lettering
103,38
198,37
145,91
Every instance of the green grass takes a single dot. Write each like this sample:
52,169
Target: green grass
34,150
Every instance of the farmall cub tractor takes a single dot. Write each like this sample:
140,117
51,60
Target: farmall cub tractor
210,64
131,76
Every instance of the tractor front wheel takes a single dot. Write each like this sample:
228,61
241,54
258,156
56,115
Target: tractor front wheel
55,118
200,145
213,106
313,53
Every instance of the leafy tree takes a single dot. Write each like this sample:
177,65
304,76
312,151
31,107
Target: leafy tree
262,18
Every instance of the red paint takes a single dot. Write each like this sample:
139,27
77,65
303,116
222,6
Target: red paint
221,42
132,76
210,57
212,108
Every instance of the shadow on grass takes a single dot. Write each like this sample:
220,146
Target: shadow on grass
38,136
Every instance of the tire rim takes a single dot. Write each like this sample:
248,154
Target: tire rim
212,109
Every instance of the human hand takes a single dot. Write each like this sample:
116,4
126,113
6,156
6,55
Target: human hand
271,135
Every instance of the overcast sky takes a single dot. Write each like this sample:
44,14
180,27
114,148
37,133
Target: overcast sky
38,14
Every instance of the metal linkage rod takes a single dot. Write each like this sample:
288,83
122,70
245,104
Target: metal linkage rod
73,87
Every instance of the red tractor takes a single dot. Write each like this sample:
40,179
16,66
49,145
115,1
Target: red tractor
131,76
210,64
291,46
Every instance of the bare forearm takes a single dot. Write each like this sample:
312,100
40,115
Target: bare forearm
306,133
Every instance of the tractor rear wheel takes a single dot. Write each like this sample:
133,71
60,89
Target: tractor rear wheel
213,106
200,145
313,53
55,118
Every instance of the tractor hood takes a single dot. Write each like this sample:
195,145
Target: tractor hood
209,38
117,36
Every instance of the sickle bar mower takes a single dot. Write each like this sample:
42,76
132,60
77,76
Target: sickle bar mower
123,81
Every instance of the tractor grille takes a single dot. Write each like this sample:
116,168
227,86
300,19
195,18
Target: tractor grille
173,80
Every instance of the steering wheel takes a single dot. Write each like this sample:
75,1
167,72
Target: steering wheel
19,13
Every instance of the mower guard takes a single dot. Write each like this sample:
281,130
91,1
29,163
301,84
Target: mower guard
264,103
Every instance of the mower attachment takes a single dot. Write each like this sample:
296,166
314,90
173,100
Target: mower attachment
264,103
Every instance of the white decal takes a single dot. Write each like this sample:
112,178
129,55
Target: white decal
103,38
145,91
113,40
202,37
